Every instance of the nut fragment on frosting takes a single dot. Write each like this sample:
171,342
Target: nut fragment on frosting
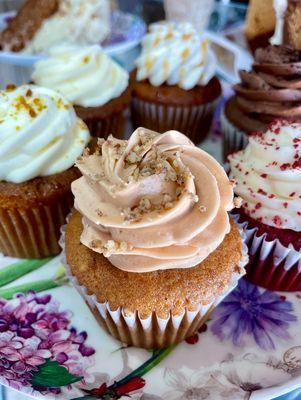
153,202
85,75
175,54
268,175
40,133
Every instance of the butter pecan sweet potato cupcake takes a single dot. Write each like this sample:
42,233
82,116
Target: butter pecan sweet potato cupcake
268,176
174,85
40,138
93,82
150,246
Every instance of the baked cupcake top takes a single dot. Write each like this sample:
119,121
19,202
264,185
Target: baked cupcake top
86,76
174,53
153,202
40,133
272,88
268,175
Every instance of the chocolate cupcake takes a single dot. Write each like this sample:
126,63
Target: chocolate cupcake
268,174
150,247
270,90
174,86
40,138
95,84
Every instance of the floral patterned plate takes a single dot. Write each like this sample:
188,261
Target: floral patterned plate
52,347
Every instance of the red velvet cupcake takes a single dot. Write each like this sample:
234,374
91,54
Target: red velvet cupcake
268,176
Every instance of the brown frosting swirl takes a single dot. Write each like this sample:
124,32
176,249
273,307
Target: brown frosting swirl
271,89
153,202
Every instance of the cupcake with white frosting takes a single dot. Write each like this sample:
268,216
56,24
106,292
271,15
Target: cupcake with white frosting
40,139
150,246
94,83
174,85
268,177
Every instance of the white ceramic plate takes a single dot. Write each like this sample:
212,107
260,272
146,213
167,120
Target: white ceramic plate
126,32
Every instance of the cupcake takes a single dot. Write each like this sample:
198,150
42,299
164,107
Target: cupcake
268,176
41,24
40,138
150,246
269,91
174,86
95,84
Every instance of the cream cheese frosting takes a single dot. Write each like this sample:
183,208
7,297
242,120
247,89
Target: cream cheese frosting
175,54
76,21
153,202
86,76
40,133
268,175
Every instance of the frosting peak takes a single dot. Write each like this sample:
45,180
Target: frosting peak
86,76
268,175
175,53
39,133
153,202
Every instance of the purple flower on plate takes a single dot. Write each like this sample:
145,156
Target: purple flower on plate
248,311
33,330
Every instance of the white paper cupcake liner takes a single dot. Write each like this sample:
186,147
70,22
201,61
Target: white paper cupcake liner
151,332
193,121
234,139
271,264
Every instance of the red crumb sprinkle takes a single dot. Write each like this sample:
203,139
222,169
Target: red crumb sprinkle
285,205
297,163
264,175
285,166
292,194
277,220
298,212
260,191
257,206
271,196
192,339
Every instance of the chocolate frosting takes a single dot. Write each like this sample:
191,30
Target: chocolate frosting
271,89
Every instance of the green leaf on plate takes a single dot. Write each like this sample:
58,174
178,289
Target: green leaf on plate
16,270
51,375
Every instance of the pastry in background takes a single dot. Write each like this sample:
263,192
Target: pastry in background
197,12
268,177
174,85
260,23
292,23
272,89
94,83
152,237
40,139
40,24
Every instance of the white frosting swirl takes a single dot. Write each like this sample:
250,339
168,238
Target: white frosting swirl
174,53
268,175
40,133
86,76
76,21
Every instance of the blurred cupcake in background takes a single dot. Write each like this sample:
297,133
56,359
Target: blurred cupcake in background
40,139
150,246
95,84
268,177
174,85
41,24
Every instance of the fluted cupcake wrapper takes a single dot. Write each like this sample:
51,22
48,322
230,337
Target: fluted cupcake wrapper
33,232
152,332
193,121
103,127
234,139
271,264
